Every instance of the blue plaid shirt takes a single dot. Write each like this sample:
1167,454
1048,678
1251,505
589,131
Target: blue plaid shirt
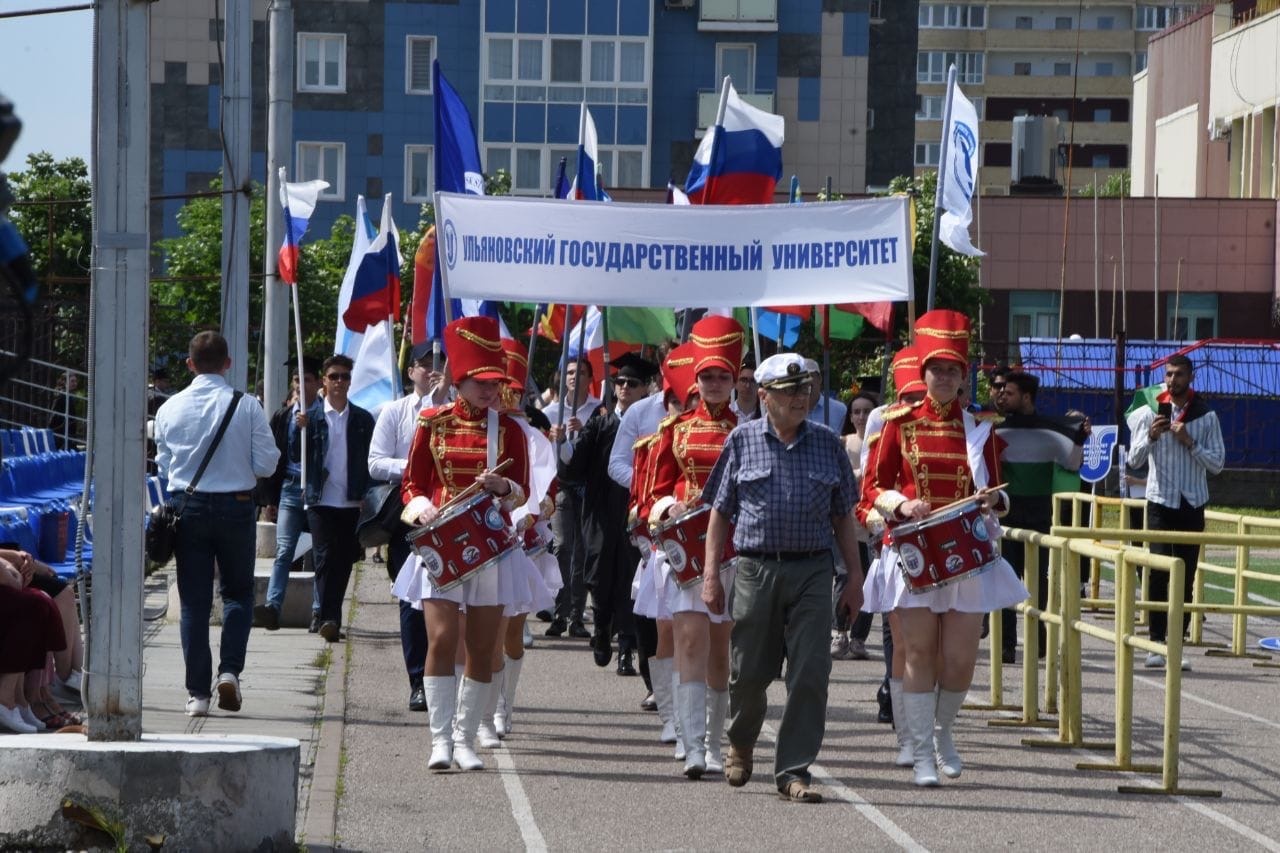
781,497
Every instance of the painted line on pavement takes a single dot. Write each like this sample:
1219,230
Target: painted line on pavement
521,810
860,804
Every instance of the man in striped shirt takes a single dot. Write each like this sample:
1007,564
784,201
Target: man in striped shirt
1182,442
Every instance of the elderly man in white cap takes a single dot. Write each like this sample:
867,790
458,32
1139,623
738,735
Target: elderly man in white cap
787,488
829,411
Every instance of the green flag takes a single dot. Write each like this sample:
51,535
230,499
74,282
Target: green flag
1144,397
845,325
641,325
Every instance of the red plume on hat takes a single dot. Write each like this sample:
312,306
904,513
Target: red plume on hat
718,342
475,349
678,375
906,371
942,334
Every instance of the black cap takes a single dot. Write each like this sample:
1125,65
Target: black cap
632,365
310,364
420,352
748,361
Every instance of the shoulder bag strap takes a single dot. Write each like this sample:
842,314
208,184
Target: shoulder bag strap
217,439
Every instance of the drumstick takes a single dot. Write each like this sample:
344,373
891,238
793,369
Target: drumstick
976,494
471,489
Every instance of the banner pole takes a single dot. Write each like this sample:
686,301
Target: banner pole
606,387
942,177
302,397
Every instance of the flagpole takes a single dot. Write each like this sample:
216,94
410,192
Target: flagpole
444,272
564,366
302,397
715,140
942,176
755,333
606,387
826,351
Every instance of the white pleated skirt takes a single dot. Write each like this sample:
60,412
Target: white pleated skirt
689,599
649,601
537,595
505,582
993,588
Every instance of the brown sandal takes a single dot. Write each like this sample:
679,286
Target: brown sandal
798,792
738,765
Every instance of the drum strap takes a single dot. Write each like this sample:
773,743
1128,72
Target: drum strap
491,448
975,437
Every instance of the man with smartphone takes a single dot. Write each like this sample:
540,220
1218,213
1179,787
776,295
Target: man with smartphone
1182,443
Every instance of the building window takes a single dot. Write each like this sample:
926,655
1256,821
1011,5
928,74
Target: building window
1033,314
497,159
1159,17
530,54
1022,22
419,176
527,177
1192,316
566,61
602,61
931,108
739,62
1106,22
322,62
1140,60
932,65
928,153
875,11
324,161
632,67
419,51
1102,116
1104,69
1102,161
952,16
1062,23
500,64
1022,69
1062,69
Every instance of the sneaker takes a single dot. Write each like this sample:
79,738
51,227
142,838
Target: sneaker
840,647
1186,665
648,703
228,692
528,636
314,627
198,706
1154,661
858,650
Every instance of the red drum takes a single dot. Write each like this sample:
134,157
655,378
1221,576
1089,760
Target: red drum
640,536
465,540
684,541
949,545
533,543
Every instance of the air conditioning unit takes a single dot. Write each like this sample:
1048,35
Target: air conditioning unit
678,4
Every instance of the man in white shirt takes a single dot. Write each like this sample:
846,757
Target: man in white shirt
746,402
566,425
818,411
218,517
338,437
388,457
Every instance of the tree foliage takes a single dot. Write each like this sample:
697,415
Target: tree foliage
1115,186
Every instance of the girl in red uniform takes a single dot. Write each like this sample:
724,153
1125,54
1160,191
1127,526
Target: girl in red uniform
457,446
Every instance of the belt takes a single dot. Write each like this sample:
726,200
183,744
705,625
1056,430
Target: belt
783,556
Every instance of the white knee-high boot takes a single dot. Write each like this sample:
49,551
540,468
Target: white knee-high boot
507,704
717,711
660,676
681,745
949,702
487,732
442,691
474,696
691,701
906,752
920,714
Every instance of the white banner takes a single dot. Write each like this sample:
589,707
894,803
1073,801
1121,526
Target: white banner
961,175
656,255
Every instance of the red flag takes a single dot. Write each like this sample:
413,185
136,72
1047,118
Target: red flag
553,325
878,314
804,312
424,266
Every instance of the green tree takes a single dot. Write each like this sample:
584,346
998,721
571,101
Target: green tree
54,215
1116,185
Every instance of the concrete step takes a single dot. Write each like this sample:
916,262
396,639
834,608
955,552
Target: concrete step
298,596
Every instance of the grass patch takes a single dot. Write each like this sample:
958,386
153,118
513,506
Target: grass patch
343,758
323,658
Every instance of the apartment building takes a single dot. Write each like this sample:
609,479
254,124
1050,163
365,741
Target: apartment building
1053,57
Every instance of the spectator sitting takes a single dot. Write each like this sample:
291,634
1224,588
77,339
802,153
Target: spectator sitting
30,628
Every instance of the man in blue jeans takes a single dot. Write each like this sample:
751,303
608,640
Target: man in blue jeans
218,517
281,495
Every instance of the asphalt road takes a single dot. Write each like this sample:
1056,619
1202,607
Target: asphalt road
583,769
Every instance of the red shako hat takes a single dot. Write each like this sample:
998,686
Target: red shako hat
943,334
475,349
719,342
517,363
678,374
906,371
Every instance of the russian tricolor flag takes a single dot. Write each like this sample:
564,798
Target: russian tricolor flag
740,159
585,186
375,292
299,202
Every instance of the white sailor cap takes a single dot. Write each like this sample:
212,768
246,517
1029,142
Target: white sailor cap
784,370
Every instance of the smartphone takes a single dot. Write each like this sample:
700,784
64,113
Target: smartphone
1164,410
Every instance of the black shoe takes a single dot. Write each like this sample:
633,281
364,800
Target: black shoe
417,695
314,627
625,667
330,631
266,616
986,626
579,631
545,615
556,628
885,698
601,649
1009,655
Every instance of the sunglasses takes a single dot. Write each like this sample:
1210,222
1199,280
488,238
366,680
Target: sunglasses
619,381
338,377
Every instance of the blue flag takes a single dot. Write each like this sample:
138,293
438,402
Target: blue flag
457,171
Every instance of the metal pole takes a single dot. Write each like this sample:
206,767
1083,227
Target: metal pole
237,95
121,258
942,176
275,331
1155,267
606,387
1097,266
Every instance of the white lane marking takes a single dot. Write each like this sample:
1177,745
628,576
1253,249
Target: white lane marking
520,808
896,833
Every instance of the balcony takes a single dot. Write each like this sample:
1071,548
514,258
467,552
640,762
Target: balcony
709,103
1118,86
1087,132
1115,41
751,16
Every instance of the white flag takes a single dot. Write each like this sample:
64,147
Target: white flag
960,175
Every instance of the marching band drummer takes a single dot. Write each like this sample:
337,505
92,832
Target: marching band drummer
455,447
688,447
930,454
